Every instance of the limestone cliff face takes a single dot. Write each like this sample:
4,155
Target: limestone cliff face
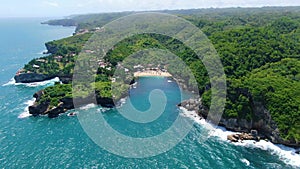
31,77
262,122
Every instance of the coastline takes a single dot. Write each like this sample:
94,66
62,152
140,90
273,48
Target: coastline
26,113
21,134
285,153
12,81
152,73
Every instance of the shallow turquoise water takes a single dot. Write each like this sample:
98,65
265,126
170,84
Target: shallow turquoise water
61,143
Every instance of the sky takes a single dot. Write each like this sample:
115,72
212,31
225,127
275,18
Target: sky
59,8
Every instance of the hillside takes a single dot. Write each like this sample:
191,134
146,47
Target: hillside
259,49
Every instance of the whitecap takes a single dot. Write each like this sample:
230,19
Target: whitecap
245,161
286,154
89,106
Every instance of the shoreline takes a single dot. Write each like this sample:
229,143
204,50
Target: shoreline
12,81
286,154
26,113
152,73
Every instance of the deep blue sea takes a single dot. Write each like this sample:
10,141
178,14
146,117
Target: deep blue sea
40,142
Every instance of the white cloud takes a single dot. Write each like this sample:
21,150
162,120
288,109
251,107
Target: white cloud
53,4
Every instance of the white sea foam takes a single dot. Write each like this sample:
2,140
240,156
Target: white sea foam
42,52
134,85
245,161
34,84
10,82
86,107
285,153
121,102
73,113
101,110
26,113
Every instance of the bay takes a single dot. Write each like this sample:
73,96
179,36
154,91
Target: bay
40,142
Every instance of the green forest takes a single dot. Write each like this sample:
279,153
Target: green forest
259,49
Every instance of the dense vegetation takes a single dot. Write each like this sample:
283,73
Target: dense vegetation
54,94
88,22
71,45
62,57
277,86
62,22
259,49
137,43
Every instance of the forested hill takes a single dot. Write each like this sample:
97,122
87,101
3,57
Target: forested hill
259,49
201,17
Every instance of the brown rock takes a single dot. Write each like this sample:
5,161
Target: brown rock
233,138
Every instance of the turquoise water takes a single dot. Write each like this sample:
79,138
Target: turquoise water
157,126
61,143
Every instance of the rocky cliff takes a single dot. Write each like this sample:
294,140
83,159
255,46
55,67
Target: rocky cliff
31,77
51,47
65,104
262,122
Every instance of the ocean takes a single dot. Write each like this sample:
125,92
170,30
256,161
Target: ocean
40,142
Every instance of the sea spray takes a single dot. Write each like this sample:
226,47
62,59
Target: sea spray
26,113
88,106
285,153
34,84
12,81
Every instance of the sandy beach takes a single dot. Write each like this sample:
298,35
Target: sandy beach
152,73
